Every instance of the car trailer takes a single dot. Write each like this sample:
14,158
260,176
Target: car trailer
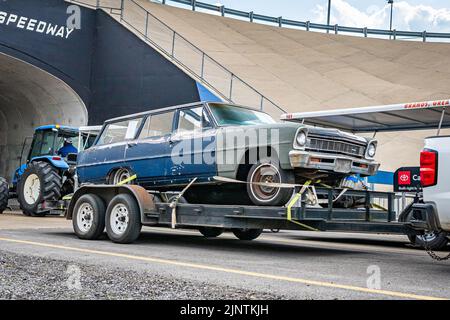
131,206
124,209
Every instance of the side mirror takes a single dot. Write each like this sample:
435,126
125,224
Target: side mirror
72,158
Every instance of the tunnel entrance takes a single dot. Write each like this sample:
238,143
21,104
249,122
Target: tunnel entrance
31,97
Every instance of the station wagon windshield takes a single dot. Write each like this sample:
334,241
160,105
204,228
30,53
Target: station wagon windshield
228,115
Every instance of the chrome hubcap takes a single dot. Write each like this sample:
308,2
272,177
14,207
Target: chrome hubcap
265,173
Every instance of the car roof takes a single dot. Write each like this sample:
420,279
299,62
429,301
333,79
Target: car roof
56,126
174,108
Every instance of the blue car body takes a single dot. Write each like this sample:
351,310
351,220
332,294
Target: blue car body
133,144
152,159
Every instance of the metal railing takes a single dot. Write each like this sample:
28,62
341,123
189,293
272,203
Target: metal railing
307,25
185,54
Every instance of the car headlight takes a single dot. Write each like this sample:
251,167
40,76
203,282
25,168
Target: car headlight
302,139
372,150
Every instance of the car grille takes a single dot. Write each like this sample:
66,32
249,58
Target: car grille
333,146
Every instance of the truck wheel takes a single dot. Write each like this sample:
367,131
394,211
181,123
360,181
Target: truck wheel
268,170
432,240
89,217
210,232
4,195
247,234
123,219
40,182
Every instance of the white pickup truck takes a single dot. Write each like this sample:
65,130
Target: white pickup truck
435,208
430,215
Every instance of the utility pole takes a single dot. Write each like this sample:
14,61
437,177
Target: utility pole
391,2
329,15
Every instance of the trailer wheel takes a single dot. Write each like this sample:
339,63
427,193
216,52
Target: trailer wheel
4,195
431,240
40,182
269,170
211,232
123,219
247,234
89,217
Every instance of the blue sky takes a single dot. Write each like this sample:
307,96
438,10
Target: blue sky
415,15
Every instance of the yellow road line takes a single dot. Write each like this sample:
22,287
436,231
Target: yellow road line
228,270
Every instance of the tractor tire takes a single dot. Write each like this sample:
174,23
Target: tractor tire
40,182
4,195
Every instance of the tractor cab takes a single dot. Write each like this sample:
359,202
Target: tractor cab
48,173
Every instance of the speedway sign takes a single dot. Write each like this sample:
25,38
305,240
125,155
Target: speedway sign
35,25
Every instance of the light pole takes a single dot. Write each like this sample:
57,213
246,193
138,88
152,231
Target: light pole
391,2
329,15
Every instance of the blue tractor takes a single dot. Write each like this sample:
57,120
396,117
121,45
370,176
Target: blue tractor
49,170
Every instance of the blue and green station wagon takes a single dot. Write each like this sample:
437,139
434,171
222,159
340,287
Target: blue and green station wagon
167,148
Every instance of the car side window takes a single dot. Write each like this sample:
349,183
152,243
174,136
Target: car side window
120,131
193,119
157,125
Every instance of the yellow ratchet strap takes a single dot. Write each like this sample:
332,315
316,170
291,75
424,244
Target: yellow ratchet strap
124,182
294,201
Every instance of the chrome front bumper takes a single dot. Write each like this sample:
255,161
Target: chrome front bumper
328,162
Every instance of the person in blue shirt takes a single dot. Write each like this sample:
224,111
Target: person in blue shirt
67,149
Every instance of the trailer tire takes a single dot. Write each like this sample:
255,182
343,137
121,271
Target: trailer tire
247,234
89,217
209,232
50,184
4,194
433,241
269,170
123,219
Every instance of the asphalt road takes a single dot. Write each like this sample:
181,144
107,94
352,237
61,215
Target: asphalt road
286,265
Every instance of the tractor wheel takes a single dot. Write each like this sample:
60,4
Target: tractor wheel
4,195
40,182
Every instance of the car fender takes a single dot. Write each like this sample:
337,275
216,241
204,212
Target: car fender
107,192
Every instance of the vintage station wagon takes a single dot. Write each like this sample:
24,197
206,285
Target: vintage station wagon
167,148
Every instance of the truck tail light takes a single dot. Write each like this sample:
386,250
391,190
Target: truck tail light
428,168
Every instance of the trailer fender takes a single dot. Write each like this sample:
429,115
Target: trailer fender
145,201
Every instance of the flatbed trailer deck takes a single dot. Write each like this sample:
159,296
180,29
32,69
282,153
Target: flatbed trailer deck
152,211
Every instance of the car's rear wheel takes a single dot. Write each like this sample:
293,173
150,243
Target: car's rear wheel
269,171
123,219
120,176
89,217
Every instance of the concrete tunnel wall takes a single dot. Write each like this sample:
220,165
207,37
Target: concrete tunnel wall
30,97
97,72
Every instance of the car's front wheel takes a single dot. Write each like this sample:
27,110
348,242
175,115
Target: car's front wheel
269,171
